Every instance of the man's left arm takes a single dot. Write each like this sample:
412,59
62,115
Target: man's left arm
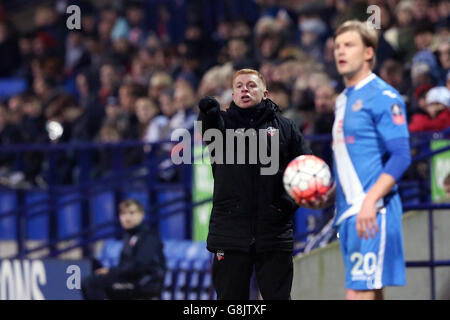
397,164
391,125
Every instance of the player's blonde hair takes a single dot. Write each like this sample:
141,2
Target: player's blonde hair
250,71
368,35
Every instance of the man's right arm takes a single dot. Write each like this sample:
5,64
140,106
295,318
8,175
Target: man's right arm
210,114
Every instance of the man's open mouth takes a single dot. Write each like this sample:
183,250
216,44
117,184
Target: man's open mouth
245,98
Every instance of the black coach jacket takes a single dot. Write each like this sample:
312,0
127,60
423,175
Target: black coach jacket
250,208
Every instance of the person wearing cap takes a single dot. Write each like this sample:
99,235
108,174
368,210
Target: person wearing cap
437,112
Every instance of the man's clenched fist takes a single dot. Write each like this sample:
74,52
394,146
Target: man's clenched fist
208,104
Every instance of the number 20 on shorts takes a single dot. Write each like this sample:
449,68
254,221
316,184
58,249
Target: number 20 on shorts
363,264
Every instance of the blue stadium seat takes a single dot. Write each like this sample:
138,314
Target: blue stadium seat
69,215
103,210
182,279
169,278
8,201
37,227
12,86
173,226
109,255
301,220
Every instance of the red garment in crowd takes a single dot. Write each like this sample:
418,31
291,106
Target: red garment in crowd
423,122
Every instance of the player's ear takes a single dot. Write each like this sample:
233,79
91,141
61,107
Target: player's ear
266,94
369,53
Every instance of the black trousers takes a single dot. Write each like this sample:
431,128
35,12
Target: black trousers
233,270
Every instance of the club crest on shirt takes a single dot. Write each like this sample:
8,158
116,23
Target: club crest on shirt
220,255
397,114
271,131
357,105
133,240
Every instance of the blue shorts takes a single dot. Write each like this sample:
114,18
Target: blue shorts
379,261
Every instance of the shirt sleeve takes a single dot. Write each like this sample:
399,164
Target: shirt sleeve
389,115
400,158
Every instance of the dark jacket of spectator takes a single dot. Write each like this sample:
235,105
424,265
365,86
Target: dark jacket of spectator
142,260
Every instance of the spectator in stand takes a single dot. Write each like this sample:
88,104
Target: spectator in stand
109,81
421,74
444,59
159,81
312,30
95,51
401,35
104,158
239,53
10,134
33,128
185,102
127,121
50,30
328,60
141,269
135,17
137,73
391,71
418,103
423,38
46,89
324,101
279,94
15,110
268,40
437,112
112,110
159,129
146,111
76,56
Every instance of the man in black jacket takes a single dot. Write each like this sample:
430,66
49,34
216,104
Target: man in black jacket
141,268
251,219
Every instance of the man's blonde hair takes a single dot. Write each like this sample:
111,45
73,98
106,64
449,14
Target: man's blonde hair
368,35
250,71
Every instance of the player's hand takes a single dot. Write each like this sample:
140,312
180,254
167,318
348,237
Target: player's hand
322,202
102,271
366,220
208,104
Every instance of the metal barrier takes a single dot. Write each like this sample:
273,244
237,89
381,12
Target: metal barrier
431,263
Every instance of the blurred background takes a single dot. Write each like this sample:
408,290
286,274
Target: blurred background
86,114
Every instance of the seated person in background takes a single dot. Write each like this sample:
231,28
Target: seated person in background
141,268
436,116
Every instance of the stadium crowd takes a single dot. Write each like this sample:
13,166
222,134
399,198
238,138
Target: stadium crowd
131,73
